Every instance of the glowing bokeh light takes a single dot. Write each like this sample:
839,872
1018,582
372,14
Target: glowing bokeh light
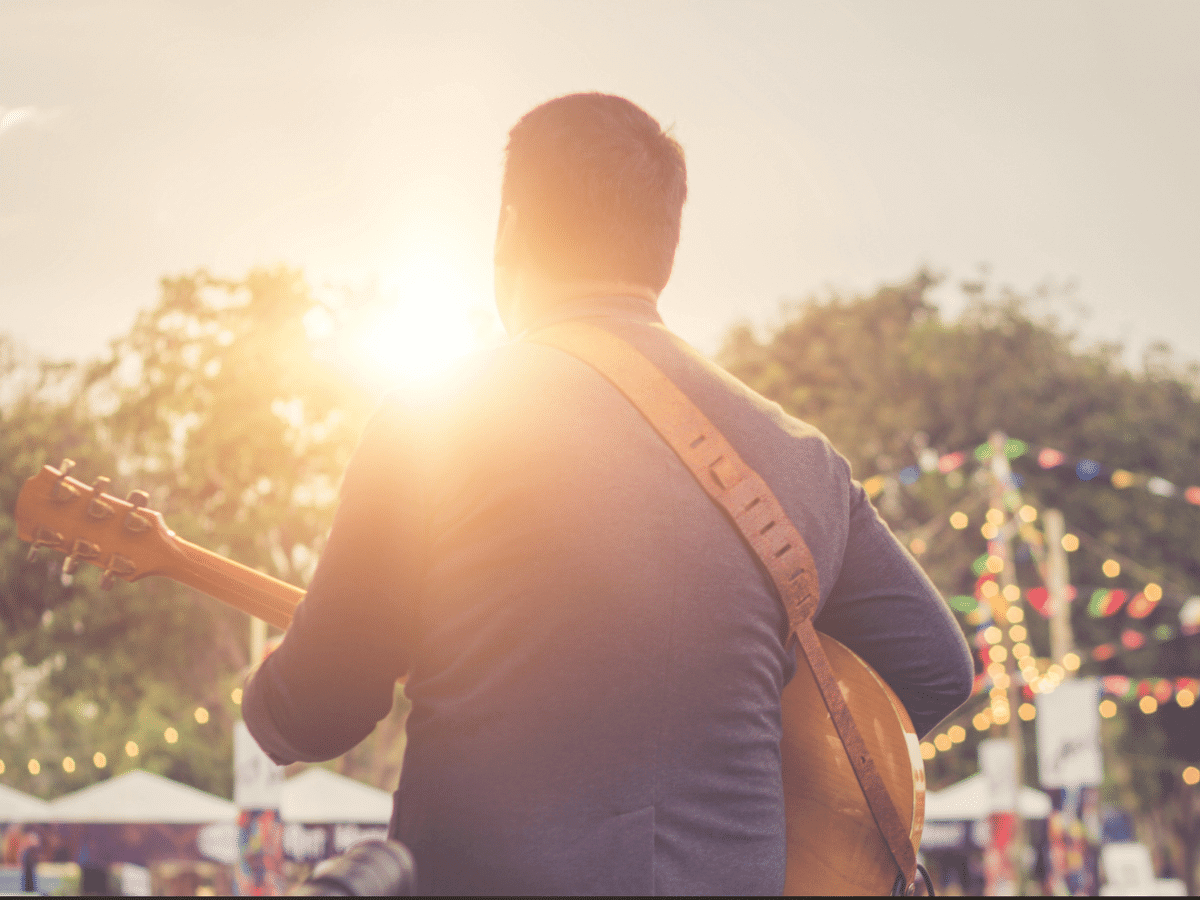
942,742
1027,712
201,715
99,760
1071,662
1111,568
959,521
1191,775
131,748
1070,543
68,764
170,735
928,751
1108,708
34,767
1015,614
1148,705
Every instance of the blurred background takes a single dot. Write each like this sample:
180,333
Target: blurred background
958,239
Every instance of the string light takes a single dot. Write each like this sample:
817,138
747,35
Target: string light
989,531
68,764
1108,709
236,696
928,751
99,760
1070,543
956,733
1015,614
982,721
34,767
959,521
1184,698
2,767
1111,568
995,516
1071,662
1027,513
170,735
1191,775
131,748
1018,633
201,715
942,742
1027,711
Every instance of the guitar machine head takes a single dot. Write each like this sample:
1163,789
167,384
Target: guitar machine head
123,537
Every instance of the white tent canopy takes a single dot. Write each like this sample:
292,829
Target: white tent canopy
140,796
17,806
968,800
317,796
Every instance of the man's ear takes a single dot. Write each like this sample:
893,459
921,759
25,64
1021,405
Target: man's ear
508,239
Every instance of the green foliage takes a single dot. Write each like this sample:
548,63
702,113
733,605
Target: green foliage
220,406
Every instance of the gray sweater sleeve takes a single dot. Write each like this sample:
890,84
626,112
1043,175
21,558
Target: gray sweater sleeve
884,608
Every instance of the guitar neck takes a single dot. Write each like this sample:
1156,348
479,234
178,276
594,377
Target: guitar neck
260,595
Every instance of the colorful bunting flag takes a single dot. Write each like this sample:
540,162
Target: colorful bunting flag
1106,602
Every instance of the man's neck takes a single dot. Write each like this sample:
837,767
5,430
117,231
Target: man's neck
533,301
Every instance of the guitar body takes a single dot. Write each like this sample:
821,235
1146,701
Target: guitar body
833,843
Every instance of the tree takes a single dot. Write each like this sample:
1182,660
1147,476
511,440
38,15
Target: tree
222,407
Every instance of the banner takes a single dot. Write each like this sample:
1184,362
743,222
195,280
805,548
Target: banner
1068,735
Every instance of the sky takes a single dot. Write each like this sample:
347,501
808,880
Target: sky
830,147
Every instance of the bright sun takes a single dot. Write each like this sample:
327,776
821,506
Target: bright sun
431,319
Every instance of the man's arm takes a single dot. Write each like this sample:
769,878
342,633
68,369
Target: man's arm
885,609
333,677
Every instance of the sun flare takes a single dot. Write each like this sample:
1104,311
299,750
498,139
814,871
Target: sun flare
430,319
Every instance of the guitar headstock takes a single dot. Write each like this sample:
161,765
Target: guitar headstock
123,537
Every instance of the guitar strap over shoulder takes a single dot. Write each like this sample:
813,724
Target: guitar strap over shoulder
761,521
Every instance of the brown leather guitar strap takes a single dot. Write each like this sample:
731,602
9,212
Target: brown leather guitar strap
754,510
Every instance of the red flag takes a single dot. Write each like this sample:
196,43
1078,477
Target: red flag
1141,606
1131,639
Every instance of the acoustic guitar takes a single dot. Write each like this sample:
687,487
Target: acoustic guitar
833,844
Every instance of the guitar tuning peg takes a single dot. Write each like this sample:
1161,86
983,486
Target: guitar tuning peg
135,521
97,508
63,491
70,564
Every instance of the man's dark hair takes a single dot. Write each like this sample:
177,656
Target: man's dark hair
599,189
